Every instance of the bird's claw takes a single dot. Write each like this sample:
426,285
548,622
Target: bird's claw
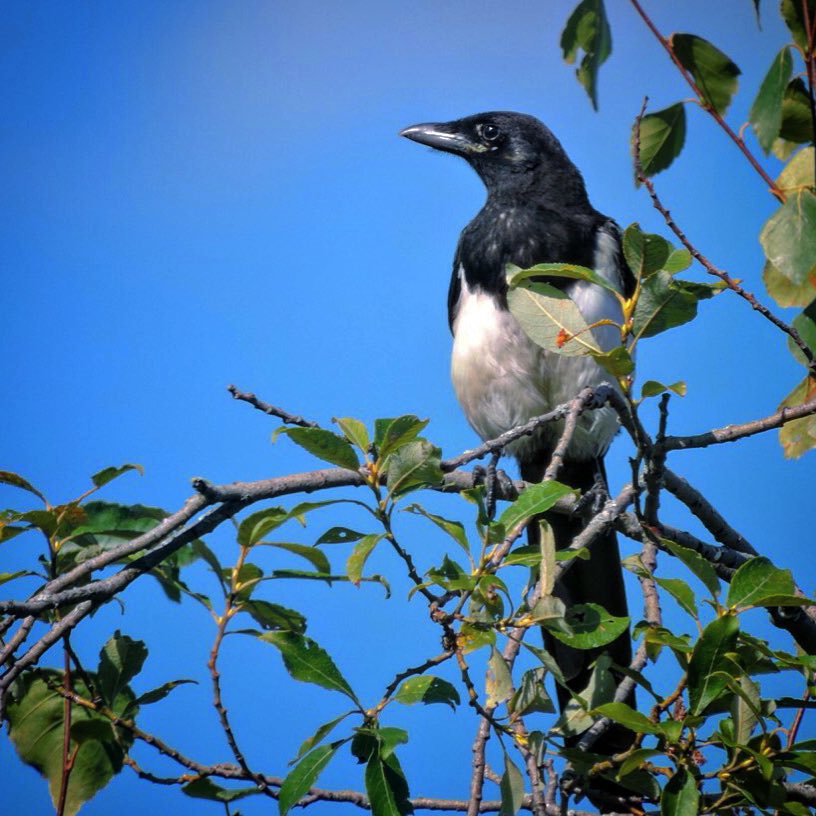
490,476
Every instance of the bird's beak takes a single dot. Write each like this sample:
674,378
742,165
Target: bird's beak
440,136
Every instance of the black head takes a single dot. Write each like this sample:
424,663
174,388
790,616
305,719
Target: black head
513,153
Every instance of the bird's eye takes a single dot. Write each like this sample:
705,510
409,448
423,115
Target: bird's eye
490,133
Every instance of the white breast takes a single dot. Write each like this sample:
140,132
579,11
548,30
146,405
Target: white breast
502,378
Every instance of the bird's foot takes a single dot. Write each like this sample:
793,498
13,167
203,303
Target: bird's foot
593,500
491,477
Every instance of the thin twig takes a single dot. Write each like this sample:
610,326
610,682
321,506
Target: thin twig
271,410
797,720
67,757
772,186
713,521
710,268
576,408
38,649
411,672
810,66
17,638
215,675
601,394
731,433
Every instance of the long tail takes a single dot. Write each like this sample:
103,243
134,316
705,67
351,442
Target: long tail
597,580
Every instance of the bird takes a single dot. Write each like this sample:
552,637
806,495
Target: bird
537,211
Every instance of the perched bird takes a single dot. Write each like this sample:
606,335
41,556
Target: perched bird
537,211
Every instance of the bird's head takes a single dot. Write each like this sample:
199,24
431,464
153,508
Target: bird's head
511,152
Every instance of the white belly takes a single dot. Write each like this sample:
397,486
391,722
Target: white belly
502,378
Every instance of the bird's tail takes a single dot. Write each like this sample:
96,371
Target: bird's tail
597,580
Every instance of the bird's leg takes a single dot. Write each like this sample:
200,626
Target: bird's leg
594,498
490,477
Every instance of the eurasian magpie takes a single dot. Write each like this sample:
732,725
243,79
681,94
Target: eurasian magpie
537,211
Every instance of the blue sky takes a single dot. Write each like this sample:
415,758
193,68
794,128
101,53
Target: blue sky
204,193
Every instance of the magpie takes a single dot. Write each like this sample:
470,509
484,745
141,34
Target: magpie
537,211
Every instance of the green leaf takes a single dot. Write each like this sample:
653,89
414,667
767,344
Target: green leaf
272,616
386,786
618,362
575,717
681,796
300,510
15,480
35,717
110,473
645,252
526,556
516,275
681,592
393,434
107,524
414,464
713,72
678,260
308,662
793,15
5,577
389,738
534,499
705,681
315,557
205,788
472,638
531,695
789,238
551,319
653,388
454,529
627,716
745,709
799,436
587,30
697,564
304,775
512,788
635,760
672,730
766,112
325,445
549,611
120,660
797,125
427,689
499,683
339,535
322,732
359,556
798,172
592,626
254,527
666,302
662,136
159,693
783,291
355,431
759,583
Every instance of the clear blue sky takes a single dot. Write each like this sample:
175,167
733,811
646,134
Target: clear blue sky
201,193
